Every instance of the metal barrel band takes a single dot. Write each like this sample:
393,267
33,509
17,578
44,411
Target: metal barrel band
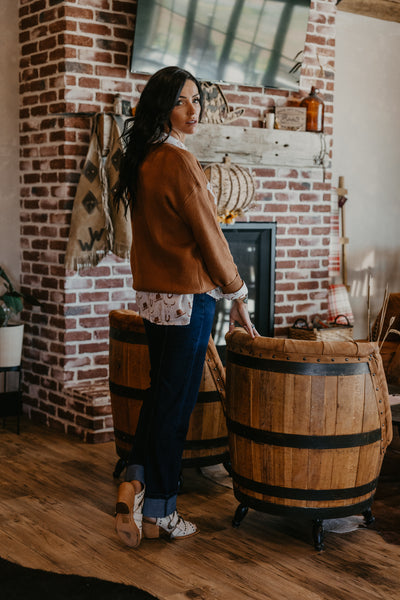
130,337
304,494
208,397
128,392
334,512
311,442
297,368
122,436
206,444
141,394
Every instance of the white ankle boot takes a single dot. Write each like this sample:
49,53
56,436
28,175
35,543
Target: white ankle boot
173,525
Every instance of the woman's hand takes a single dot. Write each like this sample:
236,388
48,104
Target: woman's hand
240,314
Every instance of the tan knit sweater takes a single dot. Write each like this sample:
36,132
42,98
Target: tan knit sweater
177,243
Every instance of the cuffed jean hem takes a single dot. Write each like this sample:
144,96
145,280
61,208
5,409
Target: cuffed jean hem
159,507
135,473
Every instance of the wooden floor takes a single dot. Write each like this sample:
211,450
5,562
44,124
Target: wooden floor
56,513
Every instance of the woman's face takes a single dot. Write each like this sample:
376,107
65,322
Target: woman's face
185,115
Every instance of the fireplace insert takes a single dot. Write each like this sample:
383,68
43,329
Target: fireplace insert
253,249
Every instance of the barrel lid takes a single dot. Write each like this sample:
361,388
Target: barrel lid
126,320
265,347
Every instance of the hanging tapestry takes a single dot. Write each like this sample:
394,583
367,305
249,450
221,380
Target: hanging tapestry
97,226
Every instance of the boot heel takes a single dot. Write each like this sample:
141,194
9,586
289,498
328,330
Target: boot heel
127,530
122,508
128,518
125,499
151,531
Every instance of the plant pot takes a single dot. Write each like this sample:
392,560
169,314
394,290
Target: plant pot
11,338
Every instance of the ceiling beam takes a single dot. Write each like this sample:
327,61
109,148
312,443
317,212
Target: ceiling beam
388,10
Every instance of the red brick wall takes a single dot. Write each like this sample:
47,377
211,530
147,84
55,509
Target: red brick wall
75,58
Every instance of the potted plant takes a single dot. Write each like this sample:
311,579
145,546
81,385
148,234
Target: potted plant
11,332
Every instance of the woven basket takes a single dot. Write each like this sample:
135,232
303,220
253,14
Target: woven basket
335,331
234,186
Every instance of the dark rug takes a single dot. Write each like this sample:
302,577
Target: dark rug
22,583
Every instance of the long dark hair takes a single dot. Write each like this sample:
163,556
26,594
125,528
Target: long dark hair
147,127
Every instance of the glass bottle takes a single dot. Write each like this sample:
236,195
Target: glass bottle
315,111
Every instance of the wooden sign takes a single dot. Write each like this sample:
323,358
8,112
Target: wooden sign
292,118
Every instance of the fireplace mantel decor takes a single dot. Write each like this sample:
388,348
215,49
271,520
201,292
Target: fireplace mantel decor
257,147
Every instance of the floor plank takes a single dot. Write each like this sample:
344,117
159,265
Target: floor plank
57,500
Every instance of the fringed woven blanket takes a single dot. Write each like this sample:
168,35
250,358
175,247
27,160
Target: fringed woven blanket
97,227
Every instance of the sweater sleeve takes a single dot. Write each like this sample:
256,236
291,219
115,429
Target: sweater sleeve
199,212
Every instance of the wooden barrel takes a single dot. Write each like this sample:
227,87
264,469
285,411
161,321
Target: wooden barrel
129,363
308,424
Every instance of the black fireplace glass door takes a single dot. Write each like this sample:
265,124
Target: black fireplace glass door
253,248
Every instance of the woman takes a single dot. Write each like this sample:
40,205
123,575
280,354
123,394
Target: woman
181,264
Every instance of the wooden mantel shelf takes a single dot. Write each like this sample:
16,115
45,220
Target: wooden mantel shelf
256,147
388,10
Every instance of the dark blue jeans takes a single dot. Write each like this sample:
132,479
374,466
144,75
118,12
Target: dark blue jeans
177,355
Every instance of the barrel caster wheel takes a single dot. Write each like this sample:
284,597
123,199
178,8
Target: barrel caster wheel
318,534
368,517
240,514
119,467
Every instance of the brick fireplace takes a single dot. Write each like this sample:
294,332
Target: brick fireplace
75,58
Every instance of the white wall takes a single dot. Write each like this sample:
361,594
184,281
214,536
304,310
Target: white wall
367,153
9,142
